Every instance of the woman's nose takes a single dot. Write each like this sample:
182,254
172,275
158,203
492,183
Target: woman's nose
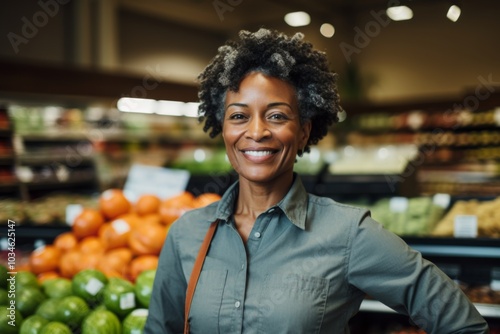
257,129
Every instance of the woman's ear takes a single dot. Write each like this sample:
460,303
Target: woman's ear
306,131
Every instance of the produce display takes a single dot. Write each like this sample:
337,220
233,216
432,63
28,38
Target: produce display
487,213
98,277
414,216
49,209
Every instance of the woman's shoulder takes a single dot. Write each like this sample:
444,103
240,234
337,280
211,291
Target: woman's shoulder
331,208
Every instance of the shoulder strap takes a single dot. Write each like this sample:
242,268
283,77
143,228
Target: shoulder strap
195,274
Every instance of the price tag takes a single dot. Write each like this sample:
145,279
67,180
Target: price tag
72,211
162,182
398,204
441,200
127,301
94,286
465,226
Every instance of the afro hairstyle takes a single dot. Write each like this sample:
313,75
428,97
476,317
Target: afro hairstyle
275,54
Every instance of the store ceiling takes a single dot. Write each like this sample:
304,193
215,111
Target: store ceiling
228,16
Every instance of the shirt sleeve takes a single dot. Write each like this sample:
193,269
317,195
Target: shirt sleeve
166,307
382,265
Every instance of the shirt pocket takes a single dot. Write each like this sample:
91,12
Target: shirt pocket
292,303
207,301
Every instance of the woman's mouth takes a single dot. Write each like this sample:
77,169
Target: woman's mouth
258,153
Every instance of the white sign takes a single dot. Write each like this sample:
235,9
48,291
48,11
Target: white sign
159,181
441,200
465,226
398,204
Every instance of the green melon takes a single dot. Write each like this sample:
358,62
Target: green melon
101,322
144,287
71,310
55,327
134,322
11,320
26,279
3,276
57,287
88,284
119,296
33,324
28,299
48,308
4,297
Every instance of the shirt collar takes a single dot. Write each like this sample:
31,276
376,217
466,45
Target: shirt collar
293,205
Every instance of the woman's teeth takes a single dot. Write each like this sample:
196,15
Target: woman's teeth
258,153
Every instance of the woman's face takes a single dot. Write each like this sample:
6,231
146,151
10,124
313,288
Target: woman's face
261,128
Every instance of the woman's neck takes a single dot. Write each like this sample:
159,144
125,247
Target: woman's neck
255,198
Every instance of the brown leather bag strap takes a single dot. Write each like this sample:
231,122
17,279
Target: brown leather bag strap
195,274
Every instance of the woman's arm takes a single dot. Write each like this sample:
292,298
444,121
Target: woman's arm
383,266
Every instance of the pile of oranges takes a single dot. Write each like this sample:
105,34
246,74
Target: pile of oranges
120,238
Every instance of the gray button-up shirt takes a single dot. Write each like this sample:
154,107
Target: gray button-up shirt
307,265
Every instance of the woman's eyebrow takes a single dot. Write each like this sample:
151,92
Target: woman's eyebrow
270,105
277,104
237,105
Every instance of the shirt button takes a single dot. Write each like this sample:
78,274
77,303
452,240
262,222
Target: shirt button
242,266
237,304
256,234
270,210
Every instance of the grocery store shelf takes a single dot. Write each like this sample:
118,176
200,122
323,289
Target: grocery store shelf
46,159
485,248
486,310
489,310
118,135
26,233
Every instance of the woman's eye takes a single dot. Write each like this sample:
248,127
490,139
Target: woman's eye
237,116
278,117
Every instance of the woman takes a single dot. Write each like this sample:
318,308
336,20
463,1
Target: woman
283,260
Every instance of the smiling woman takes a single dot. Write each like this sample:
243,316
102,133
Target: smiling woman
278,259
262,130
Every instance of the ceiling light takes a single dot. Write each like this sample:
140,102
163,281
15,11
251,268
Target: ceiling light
454,13
297,19
399,13
327,30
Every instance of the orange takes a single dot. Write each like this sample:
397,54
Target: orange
124,253
115,234
65,241
131,218
91,245
44,259
205,199
174,207
87,223
147,239
140,264
89,261
68,266
151,218
113,203
147,204
115,261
